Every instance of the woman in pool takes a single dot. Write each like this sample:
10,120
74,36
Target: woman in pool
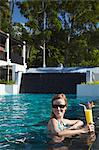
59,127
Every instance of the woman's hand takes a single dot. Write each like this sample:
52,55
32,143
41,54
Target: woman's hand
91,127
91,138
84,129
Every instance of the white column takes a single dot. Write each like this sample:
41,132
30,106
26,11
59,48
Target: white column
24,52
14,73
7,48
8,59
44,46
24,56
44,64
89,76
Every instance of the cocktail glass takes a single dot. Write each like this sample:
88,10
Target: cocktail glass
89,116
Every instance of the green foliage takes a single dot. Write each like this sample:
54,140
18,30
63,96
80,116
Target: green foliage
5,15
70,35
33,60
91,83
55,57
71,32
7,82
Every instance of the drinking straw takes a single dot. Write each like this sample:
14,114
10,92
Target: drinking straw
83,106
89,147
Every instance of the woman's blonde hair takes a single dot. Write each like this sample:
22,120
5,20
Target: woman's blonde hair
56,97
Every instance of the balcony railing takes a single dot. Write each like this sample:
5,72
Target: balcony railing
16,58
3,55
12,49
4,73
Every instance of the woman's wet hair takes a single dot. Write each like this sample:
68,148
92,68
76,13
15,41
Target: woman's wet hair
59,96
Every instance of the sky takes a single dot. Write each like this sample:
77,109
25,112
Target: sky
17,17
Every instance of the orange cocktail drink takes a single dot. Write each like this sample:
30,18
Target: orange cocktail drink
89,116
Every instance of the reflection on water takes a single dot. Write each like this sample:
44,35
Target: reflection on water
23,123
83,142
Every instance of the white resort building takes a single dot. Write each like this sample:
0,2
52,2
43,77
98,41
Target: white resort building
12,63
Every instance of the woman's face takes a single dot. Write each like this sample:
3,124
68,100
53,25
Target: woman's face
59,107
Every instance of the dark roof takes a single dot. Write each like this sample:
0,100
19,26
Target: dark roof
4,35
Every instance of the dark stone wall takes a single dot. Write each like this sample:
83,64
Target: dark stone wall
51,82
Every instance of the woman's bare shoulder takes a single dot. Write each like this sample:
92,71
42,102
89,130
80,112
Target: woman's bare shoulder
52,122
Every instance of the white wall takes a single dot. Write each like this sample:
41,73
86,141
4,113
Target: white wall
8,89
88,90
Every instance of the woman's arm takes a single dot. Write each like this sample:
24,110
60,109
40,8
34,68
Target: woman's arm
69,132
75,124
53,127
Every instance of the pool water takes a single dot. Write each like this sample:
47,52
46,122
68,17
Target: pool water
24,118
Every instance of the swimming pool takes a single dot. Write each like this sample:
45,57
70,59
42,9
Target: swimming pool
24,117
